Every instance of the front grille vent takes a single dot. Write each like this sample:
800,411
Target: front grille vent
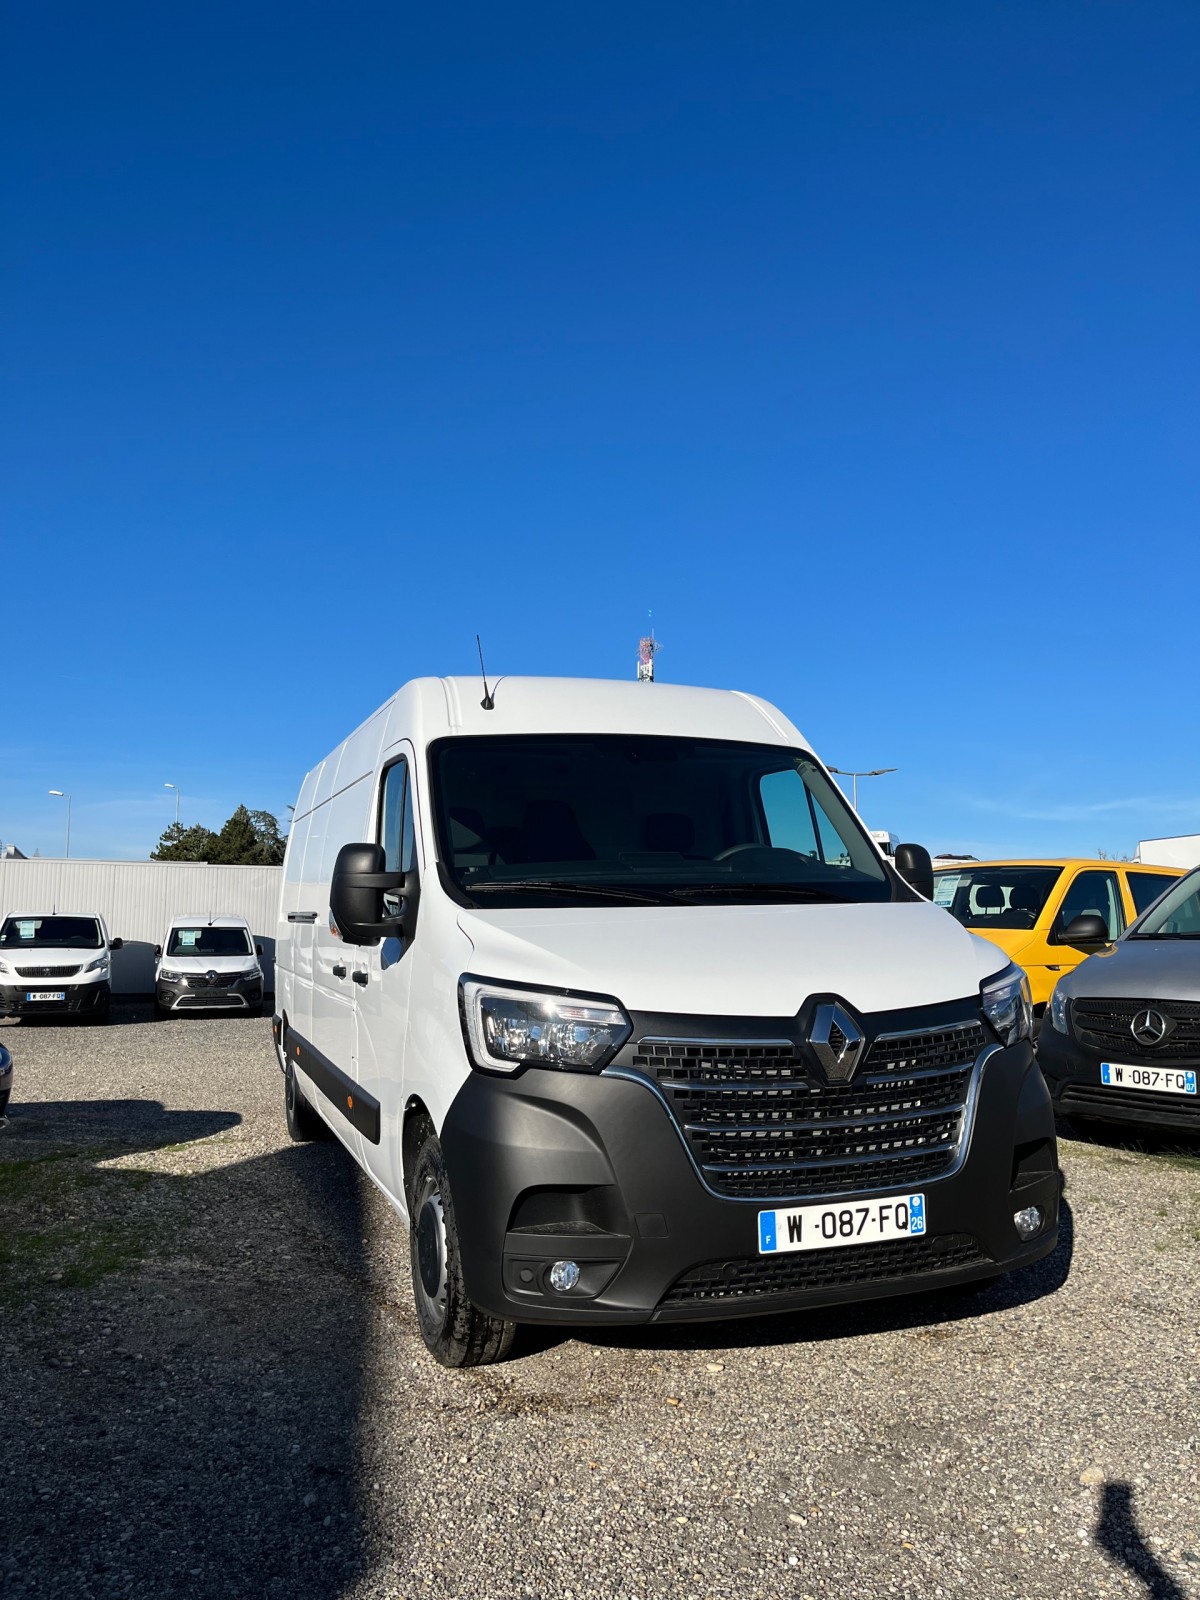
848,1266
223,980
760,1126
1106,1025
47,972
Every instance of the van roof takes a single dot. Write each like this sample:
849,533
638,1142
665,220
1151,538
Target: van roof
1060,861
222,919
436,708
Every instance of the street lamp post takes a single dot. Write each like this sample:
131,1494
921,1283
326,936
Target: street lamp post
875,772
67,798
172,786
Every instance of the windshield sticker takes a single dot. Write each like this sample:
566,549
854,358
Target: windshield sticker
189,936
26,930
944,886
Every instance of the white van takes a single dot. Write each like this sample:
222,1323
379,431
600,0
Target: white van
53,962
608,990
208,963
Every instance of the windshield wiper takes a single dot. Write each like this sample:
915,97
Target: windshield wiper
793,891
558,886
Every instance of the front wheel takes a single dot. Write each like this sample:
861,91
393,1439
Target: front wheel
456,1332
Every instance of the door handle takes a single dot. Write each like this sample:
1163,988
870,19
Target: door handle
339,972
359,977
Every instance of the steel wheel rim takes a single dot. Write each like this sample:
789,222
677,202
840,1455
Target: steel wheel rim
430,1255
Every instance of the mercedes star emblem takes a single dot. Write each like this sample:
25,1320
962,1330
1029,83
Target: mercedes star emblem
1149,1027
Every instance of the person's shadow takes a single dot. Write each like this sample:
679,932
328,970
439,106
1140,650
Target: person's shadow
1118,1535
183,1422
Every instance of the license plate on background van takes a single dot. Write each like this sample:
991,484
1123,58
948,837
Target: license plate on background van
46,994
1162,1080
901,1216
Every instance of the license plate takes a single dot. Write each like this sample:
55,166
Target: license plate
46,994
1163,1080
847,1222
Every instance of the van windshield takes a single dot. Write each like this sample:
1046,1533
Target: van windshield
42,933
549,818
995,897
209,942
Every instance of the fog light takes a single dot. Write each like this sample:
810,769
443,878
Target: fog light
1028,1221
564,1275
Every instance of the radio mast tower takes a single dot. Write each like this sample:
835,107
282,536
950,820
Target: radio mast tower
648,648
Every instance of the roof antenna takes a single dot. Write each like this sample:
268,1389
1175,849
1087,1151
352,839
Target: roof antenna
489,700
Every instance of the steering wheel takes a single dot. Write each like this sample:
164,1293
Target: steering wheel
739,849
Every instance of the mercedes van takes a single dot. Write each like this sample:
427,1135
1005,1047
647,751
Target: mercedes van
52,963
608,990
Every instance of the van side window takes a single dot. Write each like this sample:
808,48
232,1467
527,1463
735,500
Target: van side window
1095,892
397,833
1145,887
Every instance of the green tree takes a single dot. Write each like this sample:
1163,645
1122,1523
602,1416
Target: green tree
236,841
178,843
248,839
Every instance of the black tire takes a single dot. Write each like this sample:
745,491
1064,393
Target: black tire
4,1094
255,1011
456,1332
102,1016
303,1123
162,1013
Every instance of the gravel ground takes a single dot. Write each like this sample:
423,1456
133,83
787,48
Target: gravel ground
215,1386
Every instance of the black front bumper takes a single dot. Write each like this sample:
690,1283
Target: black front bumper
233,997
80,999
549,1166
1072,1070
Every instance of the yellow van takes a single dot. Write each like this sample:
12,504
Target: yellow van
1026,907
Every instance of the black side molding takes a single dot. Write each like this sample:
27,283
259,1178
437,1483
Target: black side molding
359,1108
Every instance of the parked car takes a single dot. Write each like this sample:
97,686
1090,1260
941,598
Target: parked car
6,1079
1122,1036
607,988
1029,909
54,963
208,964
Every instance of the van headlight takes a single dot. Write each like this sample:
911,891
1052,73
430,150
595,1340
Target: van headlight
1060,1004
1007,1005
507,1027
99,965
167,976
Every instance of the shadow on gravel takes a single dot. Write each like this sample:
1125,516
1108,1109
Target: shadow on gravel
1173,1144
188,1426
931,1308
1118,1535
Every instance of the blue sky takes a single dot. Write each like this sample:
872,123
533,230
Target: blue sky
857,341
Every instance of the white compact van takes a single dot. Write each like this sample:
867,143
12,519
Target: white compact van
206,964
55,962
609,991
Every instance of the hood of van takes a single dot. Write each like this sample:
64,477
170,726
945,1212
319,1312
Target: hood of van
1013,941
753,961
1139,969
50,956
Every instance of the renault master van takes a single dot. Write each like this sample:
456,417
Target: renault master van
608,990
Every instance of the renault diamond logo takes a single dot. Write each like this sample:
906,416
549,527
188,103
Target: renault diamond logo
211,976
1150,1027
838,1042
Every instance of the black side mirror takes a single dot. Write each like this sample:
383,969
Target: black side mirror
157,951
1087,928
258,949
116,944
356,895
914,866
